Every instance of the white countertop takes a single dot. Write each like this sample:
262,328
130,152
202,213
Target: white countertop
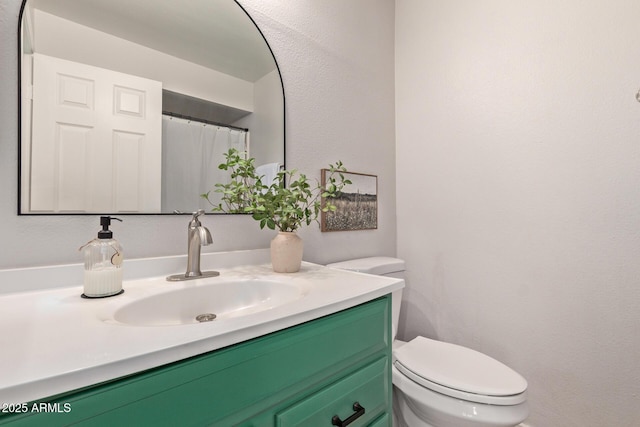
53,341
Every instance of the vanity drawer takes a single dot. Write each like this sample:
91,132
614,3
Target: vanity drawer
368,387
383,421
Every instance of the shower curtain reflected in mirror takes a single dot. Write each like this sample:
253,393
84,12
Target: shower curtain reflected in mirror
191,153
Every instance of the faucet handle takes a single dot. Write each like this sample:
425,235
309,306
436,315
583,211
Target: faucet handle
195,222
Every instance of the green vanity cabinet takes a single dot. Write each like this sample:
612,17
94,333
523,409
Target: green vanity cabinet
301,376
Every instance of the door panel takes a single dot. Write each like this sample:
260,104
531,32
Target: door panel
92,125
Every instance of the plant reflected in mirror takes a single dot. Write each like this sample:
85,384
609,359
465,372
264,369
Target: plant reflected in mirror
290,200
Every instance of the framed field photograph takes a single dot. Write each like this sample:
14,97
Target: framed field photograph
357,204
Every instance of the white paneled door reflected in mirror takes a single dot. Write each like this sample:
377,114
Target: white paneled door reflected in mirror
128,107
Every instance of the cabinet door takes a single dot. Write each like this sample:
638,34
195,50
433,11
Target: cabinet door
367,388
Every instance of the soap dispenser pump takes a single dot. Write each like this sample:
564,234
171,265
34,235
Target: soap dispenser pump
103,263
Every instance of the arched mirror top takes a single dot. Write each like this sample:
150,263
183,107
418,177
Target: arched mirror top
127,107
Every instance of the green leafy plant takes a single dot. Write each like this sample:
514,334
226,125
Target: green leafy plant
286,204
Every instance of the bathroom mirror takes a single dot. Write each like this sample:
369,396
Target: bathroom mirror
127,106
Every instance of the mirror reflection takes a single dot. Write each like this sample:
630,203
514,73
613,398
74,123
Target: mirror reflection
128,107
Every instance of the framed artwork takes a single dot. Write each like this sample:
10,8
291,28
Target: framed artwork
357,204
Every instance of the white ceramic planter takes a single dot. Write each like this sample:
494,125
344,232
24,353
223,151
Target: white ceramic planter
286,252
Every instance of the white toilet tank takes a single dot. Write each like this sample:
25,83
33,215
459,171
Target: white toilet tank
380,266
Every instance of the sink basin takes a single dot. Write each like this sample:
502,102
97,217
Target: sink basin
194,304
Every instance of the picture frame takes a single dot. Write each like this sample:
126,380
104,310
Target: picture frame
357,204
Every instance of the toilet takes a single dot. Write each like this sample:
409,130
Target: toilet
438,384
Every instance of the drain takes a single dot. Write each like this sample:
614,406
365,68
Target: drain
206,317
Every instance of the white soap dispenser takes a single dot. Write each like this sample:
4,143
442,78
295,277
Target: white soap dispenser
103,263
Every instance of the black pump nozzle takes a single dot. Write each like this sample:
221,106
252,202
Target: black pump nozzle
105,222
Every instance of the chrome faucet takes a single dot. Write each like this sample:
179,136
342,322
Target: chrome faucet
198,235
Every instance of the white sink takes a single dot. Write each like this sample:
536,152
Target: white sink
203,303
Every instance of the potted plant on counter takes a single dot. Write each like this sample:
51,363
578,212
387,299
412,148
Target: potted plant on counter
285,204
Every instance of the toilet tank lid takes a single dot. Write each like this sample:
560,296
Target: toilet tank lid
373,265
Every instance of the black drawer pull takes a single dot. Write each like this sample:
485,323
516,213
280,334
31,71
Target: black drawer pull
336,421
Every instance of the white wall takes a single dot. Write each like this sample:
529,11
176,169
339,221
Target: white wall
519,193
265,123
331,53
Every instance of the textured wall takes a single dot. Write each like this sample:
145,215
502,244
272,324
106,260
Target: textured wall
337,63
518,193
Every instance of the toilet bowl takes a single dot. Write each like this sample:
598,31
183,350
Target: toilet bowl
438,384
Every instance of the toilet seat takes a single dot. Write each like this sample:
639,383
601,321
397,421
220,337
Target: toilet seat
459,372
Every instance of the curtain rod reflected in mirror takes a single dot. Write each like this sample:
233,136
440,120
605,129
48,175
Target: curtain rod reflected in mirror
95,79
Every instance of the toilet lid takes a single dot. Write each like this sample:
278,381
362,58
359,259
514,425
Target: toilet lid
459,371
